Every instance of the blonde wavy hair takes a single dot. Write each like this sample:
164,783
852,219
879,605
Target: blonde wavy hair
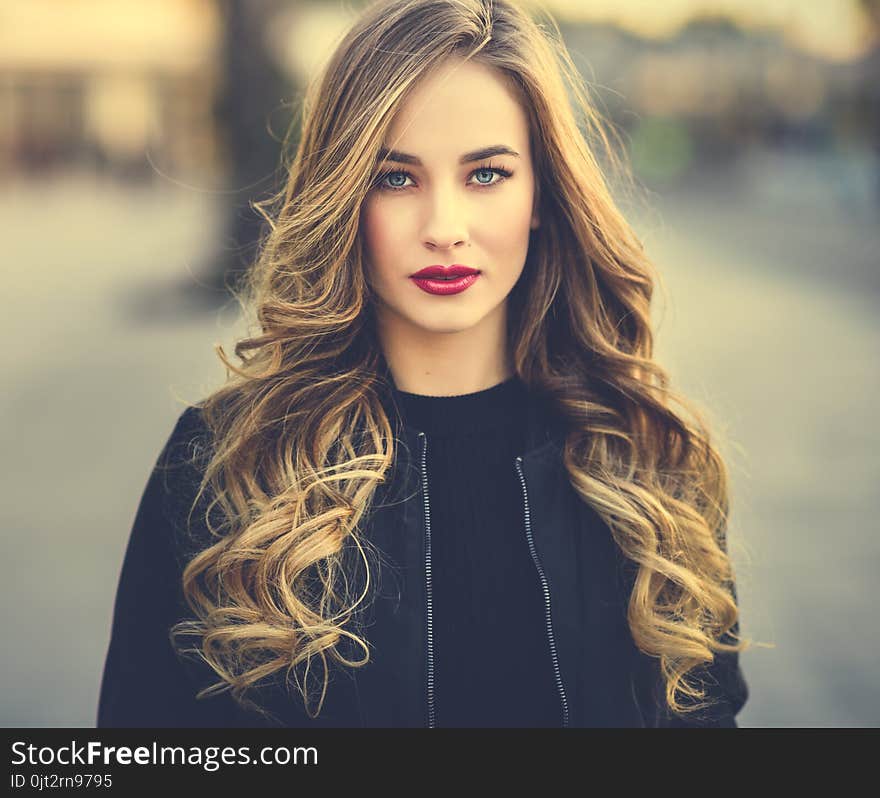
299,436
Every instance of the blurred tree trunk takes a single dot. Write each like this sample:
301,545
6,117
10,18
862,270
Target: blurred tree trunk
252,88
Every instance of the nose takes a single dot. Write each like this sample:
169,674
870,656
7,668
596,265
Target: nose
445,224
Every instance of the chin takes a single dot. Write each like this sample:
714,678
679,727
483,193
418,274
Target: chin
442,326
448,329
447,321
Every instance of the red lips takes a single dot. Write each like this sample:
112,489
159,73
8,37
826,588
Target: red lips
437,271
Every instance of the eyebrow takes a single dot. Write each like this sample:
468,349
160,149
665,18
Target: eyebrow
468,157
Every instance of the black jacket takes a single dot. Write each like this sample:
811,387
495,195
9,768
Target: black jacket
602,679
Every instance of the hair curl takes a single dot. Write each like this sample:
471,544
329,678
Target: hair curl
300,439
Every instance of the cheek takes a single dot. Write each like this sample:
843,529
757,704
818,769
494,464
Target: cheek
380,235
510,223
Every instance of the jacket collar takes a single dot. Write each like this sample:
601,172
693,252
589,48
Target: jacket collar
545,432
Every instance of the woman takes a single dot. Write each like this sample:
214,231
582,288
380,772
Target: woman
446,486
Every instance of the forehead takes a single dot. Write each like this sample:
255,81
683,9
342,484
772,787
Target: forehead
460,106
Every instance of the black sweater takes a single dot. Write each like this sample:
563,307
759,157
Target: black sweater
486,589
493,665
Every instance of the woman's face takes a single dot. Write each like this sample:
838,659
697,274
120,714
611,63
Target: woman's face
441,202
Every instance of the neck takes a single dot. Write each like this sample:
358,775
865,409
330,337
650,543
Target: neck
446,363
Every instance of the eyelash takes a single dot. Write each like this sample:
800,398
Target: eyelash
502,173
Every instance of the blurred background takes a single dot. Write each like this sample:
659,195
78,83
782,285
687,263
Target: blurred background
133,135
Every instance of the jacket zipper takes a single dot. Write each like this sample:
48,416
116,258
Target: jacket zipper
429,612
429,604
546,591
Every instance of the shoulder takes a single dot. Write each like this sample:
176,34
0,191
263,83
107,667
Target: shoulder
189,439
174,488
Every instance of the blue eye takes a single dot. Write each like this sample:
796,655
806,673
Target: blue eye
489,172
397,174
404,175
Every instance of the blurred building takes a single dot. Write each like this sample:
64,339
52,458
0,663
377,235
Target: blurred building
714,89
106,83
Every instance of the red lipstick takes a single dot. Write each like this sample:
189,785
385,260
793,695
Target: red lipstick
443,280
